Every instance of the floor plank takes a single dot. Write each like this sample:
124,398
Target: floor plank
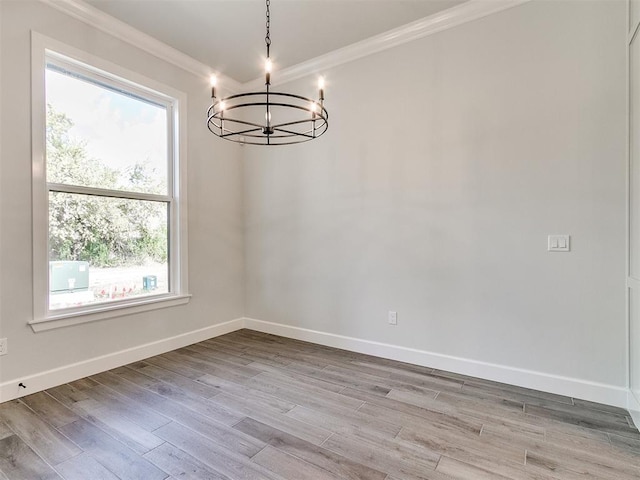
52,411
113,455
44,439
289,466
5,431
84,467
345,423
234,465
19,461
340,466
394,461
251,395
305,431
181,465
124,430
591,419
465,471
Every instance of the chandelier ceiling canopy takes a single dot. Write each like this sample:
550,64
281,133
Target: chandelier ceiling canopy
267,117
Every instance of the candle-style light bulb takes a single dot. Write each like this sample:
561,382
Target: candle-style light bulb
268,66
222,106
267,117
214,81
321,87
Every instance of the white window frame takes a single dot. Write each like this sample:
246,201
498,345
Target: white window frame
43,50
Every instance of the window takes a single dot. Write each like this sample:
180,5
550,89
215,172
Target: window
106,177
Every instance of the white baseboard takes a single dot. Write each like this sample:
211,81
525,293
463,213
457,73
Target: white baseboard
58,376
571,387
633,406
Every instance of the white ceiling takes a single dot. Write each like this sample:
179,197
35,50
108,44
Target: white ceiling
228,35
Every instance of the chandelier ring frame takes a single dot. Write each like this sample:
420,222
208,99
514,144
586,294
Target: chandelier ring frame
218,121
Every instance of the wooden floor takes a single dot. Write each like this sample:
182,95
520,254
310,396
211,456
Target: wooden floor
255,406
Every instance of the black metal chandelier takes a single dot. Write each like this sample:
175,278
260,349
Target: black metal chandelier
267,118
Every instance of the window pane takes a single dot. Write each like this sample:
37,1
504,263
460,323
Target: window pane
100,137
105,249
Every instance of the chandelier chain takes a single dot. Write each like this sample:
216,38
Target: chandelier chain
267,39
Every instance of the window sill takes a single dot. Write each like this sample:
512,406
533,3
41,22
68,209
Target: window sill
107,311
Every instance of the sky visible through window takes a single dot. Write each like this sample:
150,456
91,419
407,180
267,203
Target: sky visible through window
117,130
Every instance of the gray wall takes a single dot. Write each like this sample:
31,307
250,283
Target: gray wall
214,207
447,163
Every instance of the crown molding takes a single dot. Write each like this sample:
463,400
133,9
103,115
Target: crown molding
452,17
125,32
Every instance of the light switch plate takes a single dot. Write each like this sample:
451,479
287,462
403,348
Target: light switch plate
559,243
393,318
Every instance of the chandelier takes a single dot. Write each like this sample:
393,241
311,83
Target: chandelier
267,118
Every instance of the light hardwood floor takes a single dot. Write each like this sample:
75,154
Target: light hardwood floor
252,406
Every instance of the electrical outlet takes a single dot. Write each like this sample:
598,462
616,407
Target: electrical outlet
393,318
4,348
